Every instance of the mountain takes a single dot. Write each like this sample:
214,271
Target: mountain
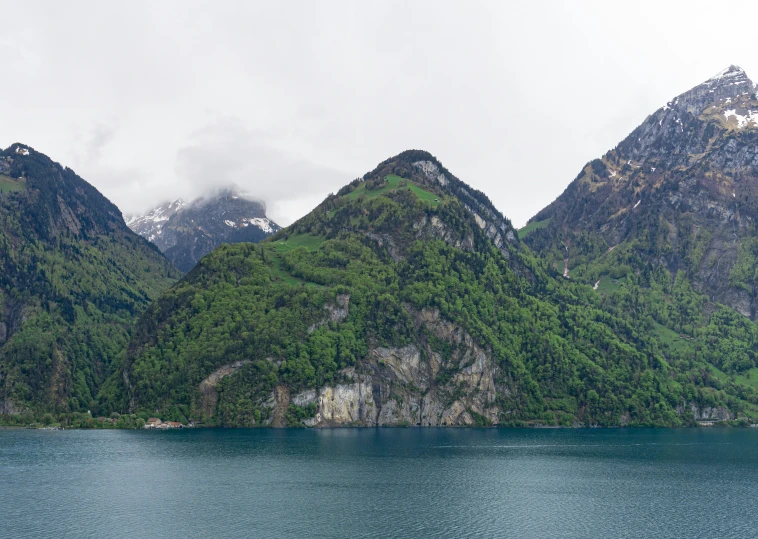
187,232
73,278
664,224
679,195
408,299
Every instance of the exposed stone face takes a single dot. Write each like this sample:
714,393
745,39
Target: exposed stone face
8,407
281,404
69,220
706,413
385,240
436,228
392,386
495,228
305,398
426,228
402,385
336,312
345,404
208,393
498,229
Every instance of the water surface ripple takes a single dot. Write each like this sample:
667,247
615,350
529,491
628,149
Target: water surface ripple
379,483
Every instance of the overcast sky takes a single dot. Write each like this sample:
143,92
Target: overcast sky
291,100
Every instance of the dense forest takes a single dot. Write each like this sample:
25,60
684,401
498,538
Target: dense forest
73,279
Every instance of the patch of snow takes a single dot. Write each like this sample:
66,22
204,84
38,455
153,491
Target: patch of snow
734,195
153,221
22,151
613,174
742,120
229,223
638,203
261,222
652,169
727,73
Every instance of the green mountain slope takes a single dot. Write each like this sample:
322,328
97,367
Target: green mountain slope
73,278
668,218
407,299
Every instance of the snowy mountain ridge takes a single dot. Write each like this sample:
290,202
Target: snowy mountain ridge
187,231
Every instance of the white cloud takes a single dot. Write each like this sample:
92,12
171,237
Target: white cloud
513,97
225,153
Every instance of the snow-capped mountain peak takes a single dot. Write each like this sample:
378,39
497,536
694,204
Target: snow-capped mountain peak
187,231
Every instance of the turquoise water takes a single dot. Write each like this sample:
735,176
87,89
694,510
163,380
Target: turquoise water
379,483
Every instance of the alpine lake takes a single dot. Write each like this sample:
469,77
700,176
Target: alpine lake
363,482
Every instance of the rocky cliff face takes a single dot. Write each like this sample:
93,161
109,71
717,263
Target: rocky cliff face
416,385
185,232
682,188
454,384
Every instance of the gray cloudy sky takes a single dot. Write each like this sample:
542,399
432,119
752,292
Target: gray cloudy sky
291,100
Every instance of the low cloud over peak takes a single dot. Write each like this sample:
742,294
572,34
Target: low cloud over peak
225,153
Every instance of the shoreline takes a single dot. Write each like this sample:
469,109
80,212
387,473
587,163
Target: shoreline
720,425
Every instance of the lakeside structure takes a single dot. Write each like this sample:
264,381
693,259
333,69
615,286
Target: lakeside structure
156,423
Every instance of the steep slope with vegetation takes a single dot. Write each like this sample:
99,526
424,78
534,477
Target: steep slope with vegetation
73,278
666,223
407,299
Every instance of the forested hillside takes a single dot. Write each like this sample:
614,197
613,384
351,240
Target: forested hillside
73,278
408,299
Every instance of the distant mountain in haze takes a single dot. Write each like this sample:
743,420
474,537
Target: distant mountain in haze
185,232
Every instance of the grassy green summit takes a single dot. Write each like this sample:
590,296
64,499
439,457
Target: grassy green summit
73,279
407,298
392,184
